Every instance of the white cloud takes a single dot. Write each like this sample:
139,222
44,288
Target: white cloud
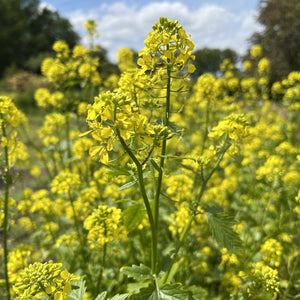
43,5
121,25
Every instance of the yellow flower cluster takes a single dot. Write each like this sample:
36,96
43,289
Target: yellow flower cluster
271,252
19,259
65,182
256,51
45,99
105,225
10,119
234,127
51,130
125,60
113,115
167,43
265,277
67,68
39,279
9,114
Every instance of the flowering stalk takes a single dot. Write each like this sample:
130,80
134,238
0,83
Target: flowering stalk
5,221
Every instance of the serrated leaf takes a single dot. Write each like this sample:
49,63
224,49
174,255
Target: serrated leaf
127,185
221,227
139,273
120,297
101,296
133,215
173,292
78,294
166,292
213,209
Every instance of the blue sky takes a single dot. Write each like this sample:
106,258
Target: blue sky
125,23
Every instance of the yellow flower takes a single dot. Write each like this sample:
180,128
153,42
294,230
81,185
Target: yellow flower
65,182
256,51
43,279
62,49
105,225
264,66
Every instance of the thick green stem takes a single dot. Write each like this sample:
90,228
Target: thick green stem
5,221
145,199
162,157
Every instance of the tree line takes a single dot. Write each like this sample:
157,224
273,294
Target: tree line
29,31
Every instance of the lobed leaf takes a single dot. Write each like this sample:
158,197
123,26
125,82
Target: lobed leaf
221,227
139,273
78,293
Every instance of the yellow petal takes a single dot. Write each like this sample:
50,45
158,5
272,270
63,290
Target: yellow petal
191,68
94,150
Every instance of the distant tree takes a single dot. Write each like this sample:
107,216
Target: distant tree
106,68
280,37
208,60
27,31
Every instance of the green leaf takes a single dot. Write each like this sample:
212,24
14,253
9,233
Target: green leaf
120,297
78,294
166,292
116,170
139,273
173,292
101,296
127,185
213,209
198,292
221,227
133,215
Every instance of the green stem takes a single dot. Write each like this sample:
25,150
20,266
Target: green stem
5,221
68,141
76,223
162,158
102,268
145,199
189,223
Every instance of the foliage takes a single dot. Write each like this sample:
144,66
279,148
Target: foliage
208,60
280,38
148,185
27,31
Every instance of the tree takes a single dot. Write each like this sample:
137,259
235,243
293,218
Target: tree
280,38
27,31
208,60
